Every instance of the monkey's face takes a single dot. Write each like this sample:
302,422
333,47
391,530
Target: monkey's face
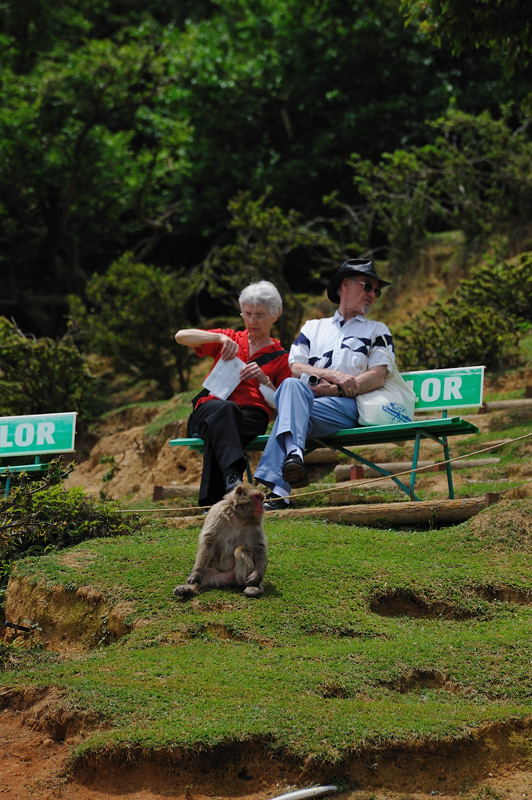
258,502
248,502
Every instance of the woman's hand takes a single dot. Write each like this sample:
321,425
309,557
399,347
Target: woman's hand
229,348
253,372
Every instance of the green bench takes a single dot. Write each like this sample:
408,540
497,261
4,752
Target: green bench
436,390
34,435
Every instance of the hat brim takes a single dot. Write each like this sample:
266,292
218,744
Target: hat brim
332,289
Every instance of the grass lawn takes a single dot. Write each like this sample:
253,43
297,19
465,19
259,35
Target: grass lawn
363,637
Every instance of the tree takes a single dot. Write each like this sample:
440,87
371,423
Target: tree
474,176
279,94
503,26
131,314
88,164
129,126
268,244
481,323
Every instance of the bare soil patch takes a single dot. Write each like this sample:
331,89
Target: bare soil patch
36,766
128,464
400,603
68,621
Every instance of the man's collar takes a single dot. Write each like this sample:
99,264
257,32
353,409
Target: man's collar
337,317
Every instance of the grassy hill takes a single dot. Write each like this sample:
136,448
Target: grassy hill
365,641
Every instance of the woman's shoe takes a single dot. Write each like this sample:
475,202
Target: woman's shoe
231,481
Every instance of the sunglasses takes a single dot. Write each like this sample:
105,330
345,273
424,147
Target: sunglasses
368,287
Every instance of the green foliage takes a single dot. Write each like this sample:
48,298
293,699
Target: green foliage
131,314
268,244
128,127
503,286
474,176
43,375
483,322
39,515
88,164
503,27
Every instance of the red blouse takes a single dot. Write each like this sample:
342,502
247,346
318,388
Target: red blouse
247,393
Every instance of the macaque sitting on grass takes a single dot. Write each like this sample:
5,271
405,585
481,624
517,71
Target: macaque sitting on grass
231,547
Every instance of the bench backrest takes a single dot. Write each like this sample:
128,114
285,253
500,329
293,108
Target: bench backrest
442,389
37,434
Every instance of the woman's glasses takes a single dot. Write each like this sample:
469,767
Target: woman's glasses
250,315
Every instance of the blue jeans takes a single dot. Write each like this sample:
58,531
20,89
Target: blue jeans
302,415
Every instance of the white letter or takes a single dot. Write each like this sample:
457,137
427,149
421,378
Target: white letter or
4,441
24,434
44,433
430,390
451,388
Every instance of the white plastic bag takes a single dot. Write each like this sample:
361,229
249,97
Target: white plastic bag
392,404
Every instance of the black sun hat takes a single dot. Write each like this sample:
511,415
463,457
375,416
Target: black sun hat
350,268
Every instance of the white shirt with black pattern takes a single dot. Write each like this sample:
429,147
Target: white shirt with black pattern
352,346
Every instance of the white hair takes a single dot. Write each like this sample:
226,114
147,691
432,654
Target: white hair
262,293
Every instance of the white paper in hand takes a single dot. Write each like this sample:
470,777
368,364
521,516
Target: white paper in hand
268,393
224,378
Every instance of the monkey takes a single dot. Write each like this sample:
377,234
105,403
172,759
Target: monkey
231,546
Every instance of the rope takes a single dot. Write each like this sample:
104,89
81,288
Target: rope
345,484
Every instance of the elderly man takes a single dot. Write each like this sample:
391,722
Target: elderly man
332,361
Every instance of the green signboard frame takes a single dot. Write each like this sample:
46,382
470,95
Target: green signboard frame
37,434
443,389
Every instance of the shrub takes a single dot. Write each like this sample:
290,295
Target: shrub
39,515
474,176
131,314
43,375
481,324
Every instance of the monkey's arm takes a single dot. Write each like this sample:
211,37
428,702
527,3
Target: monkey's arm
259,561
204,558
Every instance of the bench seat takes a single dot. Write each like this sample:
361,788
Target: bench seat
442,390
435,429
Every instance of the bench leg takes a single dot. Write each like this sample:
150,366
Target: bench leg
248,470
413,474
404,488
448,468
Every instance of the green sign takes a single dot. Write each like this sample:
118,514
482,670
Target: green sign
441,389
37,434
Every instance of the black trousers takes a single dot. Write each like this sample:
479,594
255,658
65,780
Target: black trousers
226,429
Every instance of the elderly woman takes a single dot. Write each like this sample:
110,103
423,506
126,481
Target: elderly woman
227,426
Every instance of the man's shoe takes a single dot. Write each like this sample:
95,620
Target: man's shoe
275,502
294,471
232,480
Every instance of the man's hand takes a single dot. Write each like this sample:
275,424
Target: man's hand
323,389
348,383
